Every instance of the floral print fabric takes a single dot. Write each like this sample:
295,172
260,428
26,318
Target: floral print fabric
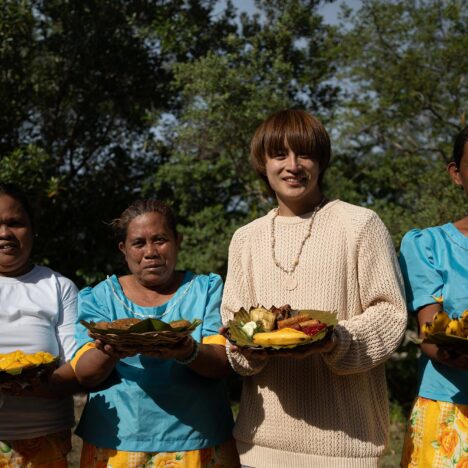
222,456
437,435
49,451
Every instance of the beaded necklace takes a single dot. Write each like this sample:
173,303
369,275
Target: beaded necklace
291,282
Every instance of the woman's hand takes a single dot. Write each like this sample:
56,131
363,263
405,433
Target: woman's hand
59,383
111,351
249,353
182,351
447,355
302,352
453,358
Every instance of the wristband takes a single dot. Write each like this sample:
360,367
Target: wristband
193,355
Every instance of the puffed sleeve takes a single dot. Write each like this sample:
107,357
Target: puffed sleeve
235,296
369,338
212,317
422,280
89,309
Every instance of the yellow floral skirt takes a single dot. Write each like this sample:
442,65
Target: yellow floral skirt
48,451
437,435
221,456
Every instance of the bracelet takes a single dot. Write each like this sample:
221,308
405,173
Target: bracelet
193,355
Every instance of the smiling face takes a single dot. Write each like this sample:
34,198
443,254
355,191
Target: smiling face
294,179
291,151
150,249
16,237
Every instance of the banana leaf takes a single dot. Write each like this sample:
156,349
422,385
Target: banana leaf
142,337
237,336
144,326
443,340
25,374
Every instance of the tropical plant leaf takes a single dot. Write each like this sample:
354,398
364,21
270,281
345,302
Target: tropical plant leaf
144,336
237,335
144,326
26,374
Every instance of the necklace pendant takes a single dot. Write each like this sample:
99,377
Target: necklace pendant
290,283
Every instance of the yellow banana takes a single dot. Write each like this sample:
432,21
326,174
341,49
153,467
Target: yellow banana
464,320
283,337
440,321
455,327
427,329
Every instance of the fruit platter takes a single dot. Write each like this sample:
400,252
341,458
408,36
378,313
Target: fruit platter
279,327
21,369
140,335
446,331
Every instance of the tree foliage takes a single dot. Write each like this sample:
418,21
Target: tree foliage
81,87
404,66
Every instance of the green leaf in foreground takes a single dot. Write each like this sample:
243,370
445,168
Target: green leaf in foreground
240,338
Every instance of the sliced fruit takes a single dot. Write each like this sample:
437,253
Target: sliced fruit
313,329
267,318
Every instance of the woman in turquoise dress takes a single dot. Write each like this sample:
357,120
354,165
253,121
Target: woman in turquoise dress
169,407
434,263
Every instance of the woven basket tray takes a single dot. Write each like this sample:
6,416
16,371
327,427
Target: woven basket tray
28,375
144,336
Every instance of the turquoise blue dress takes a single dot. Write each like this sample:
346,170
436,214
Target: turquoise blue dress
150,404
434,262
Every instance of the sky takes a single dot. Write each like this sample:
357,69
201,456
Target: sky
329,10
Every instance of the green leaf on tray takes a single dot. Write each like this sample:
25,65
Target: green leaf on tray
146,325
240,338
15,371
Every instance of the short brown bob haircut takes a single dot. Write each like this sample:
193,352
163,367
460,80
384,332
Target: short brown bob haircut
296,129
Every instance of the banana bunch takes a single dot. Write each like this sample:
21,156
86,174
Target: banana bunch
18,360
442,323
281,337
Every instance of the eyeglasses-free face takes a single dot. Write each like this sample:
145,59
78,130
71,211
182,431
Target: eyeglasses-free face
150,250
16,238
294,179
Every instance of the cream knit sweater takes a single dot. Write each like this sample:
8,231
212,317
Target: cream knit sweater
327,410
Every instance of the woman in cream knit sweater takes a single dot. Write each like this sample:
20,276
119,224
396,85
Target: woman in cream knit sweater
327,406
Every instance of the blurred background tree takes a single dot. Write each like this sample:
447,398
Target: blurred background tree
82,85
106,101
404,66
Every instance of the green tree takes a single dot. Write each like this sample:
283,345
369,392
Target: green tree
404,64
81,84
276,60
